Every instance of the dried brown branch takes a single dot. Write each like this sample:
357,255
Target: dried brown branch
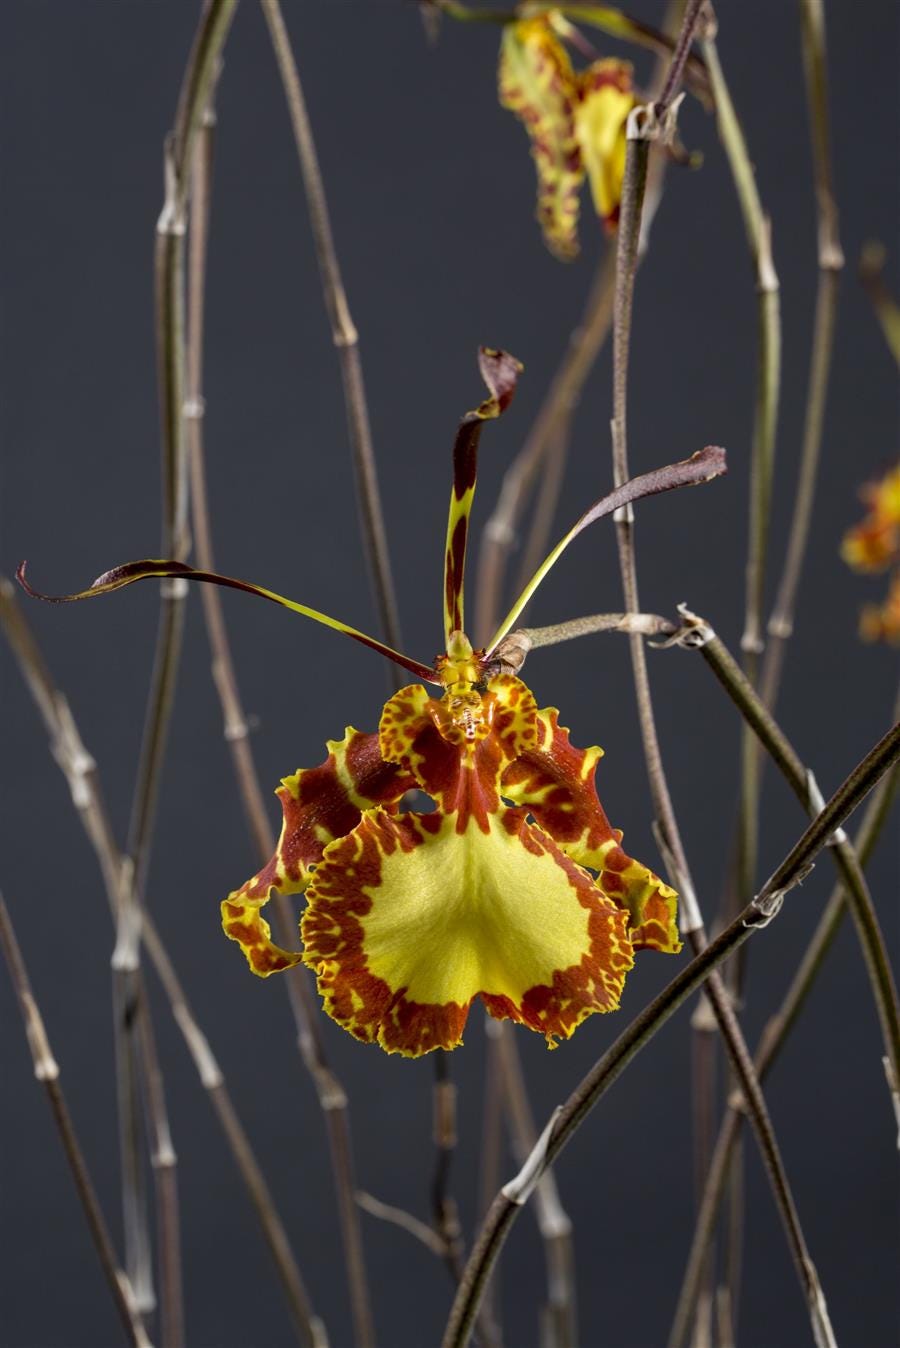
758,914
329,1091
81,773
343,331
46,1070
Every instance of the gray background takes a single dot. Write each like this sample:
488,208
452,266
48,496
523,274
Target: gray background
431,189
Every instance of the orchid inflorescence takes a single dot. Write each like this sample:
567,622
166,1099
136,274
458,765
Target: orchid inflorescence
514,888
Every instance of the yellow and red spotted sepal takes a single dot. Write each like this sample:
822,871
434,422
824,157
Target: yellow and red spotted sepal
493,894
318,805
556,782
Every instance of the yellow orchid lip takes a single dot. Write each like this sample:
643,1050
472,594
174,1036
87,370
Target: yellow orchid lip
515,888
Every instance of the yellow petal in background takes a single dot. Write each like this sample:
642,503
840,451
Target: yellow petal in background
874,543
537,83
605,98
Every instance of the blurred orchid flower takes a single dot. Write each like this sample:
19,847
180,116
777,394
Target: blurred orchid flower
874,545
576,122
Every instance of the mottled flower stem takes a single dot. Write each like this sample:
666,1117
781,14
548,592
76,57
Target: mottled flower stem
774,1035
563,1124
46,1070
344,336
644,125
330,1093
133,1031
82,774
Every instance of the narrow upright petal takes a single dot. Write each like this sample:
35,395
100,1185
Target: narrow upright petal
500,372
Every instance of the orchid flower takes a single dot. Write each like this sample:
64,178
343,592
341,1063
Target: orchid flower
515,888
576,122
874,545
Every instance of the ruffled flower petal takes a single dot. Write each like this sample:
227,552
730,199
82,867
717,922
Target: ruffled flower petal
556,782
409,920
318,805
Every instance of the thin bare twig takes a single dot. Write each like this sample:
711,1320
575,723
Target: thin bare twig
46,1070
758,914
644,125
443,1208
343,331
777,1029
130,1009
81,773
490,1158
831,262
329,1091
803,782
559,1317
386,1212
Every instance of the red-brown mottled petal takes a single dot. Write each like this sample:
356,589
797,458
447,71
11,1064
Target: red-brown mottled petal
318,805
556,783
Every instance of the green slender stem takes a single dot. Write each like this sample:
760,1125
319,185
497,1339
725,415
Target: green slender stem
776,1032
46,1070
562,1126
343,331
541,528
